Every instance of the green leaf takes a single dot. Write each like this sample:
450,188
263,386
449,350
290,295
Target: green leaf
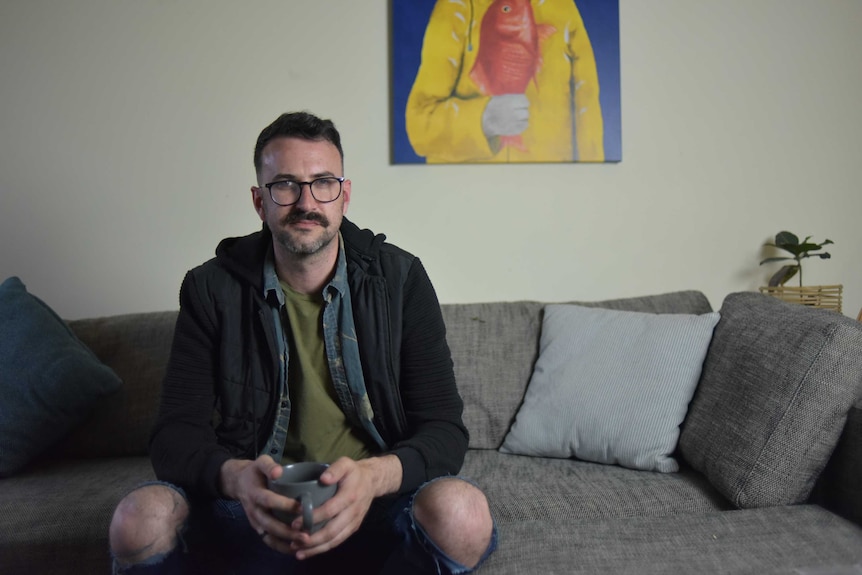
805,247
783,239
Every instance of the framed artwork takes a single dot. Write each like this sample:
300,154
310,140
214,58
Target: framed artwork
490,81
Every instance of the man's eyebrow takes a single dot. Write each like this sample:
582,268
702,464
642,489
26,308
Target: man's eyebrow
285,176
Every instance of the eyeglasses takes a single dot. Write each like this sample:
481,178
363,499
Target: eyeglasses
288,192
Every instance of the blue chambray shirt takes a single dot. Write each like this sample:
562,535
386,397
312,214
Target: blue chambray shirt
342,353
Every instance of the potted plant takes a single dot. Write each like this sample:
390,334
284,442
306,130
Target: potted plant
823,296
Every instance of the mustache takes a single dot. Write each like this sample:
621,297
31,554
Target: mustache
298,216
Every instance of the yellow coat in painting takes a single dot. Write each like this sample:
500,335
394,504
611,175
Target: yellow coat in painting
444,109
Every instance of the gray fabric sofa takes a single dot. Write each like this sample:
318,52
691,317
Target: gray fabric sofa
554,515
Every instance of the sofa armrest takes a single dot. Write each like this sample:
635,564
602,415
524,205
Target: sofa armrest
839,487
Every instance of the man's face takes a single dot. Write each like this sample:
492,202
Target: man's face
307,227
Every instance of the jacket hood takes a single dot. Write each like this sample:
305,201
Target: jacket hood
363,241
243,256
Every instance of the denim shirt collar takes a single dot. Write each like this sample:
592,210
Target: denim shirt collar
272,288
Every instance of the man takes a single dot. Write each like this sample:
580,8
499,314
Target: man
313,340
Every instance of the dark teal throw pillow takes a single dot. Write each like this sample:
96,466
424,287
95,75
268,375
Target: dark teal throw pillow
49,380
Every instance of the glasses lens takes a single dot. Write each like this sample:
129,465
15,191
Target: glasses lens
284,193
326,189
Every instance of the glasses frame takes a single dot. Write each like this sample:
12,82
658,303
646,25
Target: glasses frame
310,185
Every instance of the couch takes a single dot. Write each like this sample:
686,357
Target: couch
771,483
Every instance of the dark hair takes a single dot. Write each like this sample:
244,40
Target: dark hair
297,125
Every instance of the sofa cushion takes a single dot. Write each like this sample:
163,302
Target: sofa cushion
55,514
495,346
522,488
801,540
611,386
49,380
778,382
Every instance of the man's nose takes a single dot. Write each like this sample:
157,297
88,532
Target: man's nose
306,199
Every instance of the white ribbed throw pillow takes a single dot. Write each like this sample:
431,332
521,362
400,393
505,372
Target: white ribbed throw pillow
611,386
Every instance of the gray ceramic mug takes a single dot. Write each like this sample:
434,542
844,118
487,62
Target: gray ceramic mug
301,481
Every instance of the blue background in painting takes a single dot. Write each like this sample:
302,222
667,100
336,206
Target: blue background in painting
409,19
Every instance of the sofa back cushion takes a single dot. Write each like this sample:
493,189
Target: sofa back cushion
777,385
137,347
495,347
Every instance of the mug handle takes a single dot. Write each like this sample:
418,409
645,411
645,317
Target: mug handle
307,508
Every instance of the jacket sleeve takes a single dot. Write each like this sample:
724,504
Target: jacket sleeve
444,125
183,446
438,439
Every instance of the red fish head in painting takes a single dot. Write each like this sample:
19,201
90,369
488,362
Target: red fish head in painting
509,56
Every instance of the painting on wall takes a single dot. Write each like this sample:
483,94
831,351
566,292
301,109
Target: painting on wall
490,81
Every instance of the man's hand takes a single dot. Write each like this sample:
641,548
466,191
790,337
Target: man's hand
247,481
506,115
359,482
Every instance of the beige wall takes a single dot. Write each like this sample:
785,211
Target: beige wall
126,131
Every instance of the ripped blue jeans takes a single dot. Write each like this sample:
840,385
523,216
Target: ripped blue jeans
219,539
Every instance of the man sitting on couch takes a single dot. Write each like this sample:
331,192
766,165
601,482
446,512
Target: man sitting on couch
315,341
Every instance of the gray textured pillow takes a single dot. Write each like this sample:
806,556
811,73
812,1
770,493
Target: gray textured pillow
49,380
778,382
611,386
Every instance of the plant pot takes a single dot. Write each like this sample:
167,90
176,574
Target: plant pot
824,297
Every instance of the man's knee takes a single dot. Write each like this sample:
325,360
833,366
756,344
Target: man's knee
146,523
456,516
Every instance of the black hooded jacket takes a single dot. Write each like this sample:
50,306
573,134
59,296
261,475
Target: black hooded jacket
224,362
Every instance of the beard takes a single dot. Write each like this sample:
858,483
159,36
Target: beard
297,244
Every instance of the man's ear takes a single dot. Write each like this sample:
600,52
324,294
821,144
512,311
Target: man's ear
346,191
257,200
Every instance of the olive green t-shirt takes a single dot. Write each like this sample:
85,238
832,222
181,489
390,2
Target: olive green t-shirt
318,429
